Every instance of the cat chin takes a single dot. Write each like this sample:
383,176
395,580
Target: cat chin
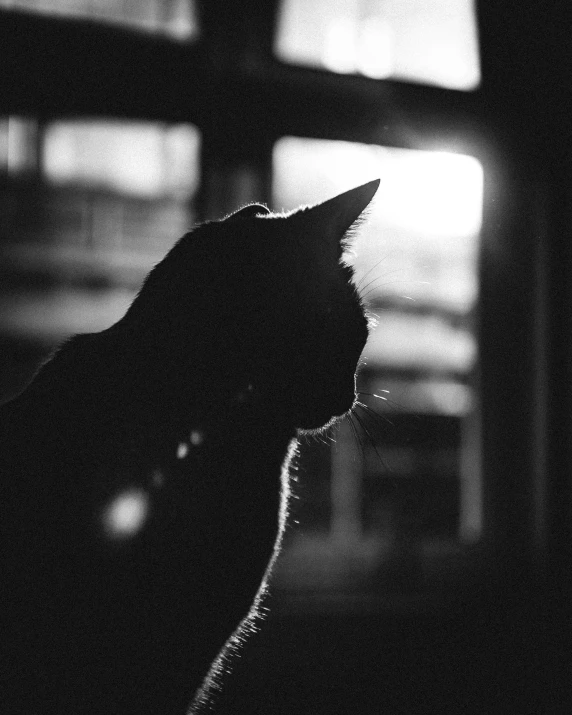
322,420
318,426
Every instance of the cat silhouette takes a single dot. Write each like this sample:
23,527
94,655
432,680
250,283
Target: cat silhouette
145,469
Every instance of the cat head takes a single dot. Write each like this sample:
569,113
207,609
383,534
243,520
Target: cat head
265,300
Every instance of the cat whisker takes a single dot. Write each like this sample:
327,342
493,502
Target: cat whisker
372,394
367,273
318,436
359,442
364,296
322,438
327,434
387,400
310,436
385,275
374,414
362,424
381,397
363,289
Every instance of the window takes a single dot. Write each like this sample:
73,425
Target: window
416,262
138,159
174,17
116,196
467,253
431,42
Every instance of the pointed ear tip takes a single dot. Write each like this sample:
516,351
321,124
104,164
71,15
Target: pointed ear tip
373,185
366,191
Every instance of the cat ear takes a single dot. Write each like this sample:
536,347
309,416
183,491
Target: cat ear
248,212
336,216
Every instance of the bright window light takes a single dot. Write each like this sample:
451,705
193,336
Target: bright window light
431,192
434,192
415,264
429,41
133,158
176,18
421,238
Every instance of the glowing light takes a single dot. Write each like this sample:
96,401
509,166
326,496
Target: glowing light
139,158
310,170
126,514
197,438
434,193
340,46
447,398
182,450
430,41
418,342
421,238
429,192
375,48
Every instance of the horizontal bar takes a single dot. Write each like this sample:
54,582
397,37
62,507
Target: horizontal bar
54,67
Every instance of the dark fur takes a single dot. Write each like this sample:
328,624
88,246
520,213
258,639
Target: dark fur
247,331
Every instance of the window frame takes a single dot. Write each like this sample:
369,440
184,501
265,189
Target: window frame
229,84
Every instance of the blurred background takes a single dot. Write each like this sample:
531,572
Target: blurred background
124,122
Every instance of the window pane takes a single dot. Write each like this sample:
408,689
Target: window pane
132,158
428,41
115,196
401,476
421,236
18,145
173,17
